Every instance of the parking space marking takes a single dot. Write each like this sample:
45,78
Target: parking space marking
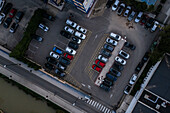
34,46
69,69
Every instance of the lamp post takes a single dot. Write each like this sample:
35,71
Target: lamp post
10,65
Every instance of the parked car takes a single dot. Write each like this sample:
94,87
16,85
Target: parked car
64,61
12,12
149,23
7,22
115,72
108,82
115,36
37,37
145,57
105,53
71,23
139,66
102,58
13,27
76,40
71,51
97,68
51,60
155,25
112,42
133,79
127,89
19,16
73,45
131,16
108,47
43,27
49,66
118,66
109,3
7,8
139,16
99,63
120,9
66,55
129,45
143,19
81,29
65,34
68,29
115,5
126,13
61,67
60,73
54,55
80,35
2,17
124,54
119,60
47,16
105,87
57,50
111,77
2,2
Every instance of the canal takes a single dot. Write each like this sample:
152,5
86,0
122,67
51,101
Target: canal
15,100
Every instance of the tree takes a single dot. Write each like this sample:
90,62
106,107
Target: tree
166,31
151,8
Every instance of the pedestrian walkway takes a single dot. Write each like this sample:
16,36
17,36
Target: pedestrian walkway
98,106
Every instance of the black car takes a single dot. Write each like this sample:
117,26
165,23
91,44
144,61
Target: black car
7,8
105,87
73,45
7,22
109,3
108,82
65,34
129,45
13,27
47,16
118,66
108,47
149,23
139,66
51,60
19,16
145,57
74,39
115,72
60,73
37,37
64,61
49,66
105,53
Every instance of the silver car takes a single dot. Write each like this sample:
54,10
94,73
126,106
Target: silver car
131,16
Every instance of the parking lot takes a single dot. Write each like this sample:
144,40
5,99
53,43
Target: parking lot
79,72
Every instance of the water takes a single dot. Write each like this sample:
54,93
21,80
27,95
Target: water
14,100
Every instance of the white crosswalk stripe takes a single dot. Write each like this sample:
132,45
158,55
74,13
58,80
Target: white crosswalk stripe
103,109
99,106
92,102
88,101
106,110
95,104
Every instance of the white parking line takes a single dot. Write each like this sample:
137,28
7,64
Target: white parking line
92,102
95,104
103,109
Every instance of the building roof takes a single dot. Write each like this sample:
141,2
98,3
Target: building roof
140,108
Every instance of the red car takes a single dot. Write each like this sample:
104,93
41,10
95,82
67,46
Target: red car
98,62
68,56
12,12
95,67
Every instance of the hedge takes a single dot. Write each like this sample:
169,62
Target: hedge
19,51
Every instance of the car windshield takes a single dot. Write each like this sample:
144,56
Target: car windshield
124,54
117,36
115,6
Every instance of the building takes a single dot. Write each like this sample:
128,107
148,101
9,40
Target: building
83,5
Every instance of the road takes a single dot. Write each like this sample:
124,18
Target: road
45,85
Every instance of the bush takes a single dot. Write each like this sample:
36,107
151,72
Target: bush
158,9
19,51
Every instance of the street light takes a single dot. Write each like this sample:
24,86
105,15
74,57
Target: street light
10,65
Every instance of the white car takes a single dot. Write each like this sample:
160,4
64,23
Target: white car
138,18
119,60
80,35
43,27
68,29
115,5
2,17
83,30
54,55
127,89
102,58
133,79
71,51
156,23
115,36
2,2
127,11
71,23
112,42
124,54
